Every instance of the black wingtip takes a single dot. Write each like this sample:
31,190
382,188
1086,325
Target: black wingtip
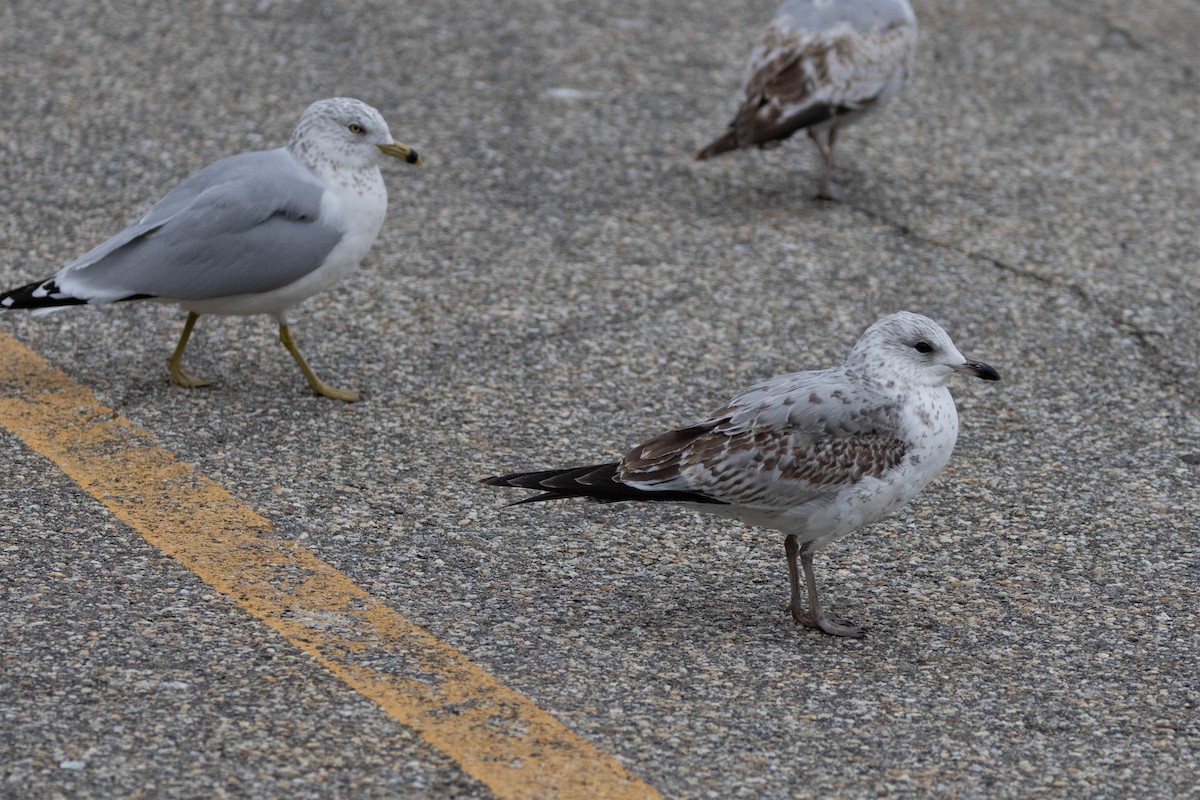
598,482
718,147
41,294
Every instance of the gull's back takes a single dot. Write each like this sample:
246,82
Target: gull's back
245,224
864,16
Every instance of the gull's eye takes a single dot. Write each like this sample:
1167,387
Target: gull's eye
356,128
923,347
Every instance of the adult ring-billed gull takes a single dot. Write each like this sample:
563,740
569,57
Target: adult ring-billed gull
821,65
254,233
816,455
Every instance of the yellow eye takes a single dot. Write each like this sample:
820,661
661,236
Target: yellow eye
356,128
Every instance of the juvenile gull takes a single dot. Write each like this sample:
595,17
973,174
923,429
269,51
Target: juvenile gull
821,65
816,455
254,233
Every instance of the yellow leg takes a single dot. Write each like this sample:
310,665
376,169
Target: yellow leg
177,374
319,386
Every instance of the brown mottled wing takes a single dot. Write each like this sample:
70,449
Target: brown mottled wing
781,443
786,96
659,458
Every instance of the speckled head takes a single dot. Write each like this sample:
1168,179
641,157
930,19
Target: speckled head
913,349
345,133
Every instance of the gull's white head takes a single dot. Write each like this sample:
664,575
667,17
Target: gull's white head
345,133
913,349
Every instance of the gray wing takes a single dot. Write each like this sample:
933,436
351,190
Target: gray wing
246,224
781,443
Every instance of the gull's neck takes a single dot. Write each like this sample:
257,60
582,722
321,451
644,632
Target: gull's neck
332,163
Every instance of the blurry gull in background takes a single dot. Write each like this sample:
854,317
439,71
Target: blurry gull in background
821,65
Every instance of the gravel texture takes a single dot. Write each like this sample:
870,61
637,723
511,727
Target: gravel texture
562,280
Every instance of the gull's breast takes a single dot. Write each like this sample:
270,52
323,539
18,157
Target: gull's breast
929,426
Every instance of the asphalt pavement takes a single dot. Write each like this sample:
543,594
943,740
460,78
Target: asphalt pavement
561,280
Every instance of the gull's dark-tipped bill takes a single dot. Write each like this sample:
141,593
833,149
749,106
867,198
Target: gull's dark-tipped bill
401,151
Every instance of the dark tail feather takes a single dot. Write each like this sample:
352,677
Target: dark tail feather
772,135
43,294
754,134
46,294
723,145
596,482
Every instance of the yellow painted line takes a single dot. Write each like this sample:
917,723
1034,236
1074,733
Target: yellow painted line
496,735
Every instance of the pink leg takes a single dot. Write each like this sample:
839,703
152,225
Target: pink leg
824,142
814,617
